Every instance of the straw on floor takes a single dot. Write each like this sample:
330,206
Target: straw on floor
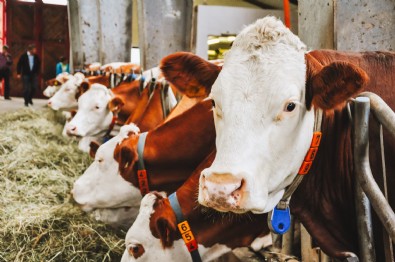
38,222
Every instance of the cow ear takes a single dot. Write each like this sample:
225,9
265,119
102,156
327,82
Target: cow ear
329,87
189,73
93,147
126,157
82,88
166,231
73,113
115,104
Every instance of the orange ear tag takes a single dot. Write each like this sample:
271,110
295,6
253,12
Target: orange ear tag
187,236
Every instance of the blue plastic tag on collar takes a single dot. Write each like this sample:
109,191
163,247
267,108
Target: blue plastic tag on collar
280,220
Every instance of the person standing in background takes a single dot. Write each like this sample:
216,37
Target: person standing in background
62,66
28,68
5,70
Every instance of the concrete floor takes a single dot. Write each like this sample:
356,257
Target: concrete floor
18,103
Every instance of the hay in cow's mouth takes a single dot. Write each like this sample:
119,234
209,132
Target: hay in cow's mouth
38,222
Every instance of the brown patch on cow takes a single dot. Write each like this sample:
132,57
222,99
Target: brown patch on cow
93,147
82,89
189,73
126,155
330,86
163,222
115,105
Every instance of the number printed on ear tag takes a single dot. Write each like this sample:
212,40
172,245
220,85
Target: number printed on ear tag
280,220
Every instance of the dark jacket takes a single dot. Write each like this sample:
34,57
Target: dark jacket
23,67
5,61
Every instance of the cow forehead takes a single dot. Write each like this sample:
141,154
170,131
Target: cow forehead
264,83
94,96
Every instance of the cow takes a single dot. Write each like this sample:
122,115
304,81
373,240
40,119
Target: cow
154,236
53,85
265,102
178,146
65,97
98,106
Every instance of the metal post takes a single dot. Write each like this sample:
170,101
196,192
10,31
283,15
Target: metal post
164,28
115,30
288,239
362,165
362,205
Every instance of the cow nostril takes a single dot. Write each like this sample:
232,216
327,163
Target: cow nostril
73,128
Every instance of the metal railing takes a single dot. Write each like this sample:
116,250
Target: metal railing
363,105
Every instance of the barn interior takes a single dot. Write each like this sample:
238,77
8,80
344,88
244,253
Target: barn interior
116,43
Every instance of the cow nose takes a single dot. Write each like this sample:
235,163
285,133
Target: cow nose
71,129
222,191
49,103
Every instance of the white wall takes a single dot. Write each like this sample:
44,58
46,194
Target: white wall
217,20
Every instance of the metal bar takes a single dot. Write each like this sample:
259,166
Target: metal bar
382,111
362,165
288,239
362,205
388,250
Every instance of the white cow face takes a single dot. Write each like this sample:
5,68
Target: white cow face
65,98
93,116
101,185
59,81
263,125
140,243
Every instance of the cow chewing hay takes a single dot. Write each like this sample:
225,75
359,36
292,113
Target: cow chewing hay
37,221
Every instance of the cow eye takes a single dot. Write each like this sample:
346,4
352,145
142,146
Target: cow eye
100,160
97,107
136,250
290,107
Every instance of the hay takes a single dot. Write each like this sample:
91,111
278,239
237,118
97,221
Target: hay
38,222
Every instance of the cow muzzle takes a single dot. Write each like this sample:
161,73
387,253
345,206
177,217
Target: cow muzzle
222,191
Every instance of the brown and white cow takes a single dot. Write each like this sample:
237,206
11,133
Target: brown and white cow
264,111
53,85
154,235
65,97
172,151
98,106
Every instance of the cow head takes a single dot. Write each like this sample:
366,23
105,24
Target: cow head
96,108
53,85
65,98
152,235
264,100
101,186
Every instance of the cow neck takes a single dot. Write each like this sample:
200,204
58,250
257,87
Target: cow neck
324,202
130,94
279,218
174,149
211,227
152,115
140,106
114,119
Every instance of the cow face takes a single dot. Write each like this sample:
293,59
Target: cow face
53,85
151,237
94,115
101,186
262,104
65,98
